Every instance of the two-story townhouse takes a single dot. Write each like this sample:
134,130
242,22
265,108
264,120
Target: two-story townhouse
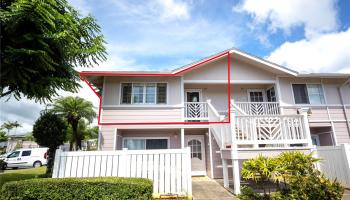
228,107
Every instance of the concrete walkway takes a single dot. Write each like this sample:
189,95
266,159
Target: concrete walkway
203,188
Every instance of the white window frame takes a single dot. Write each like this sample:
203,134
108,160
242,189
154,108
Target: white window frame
145,138
144,93
323,93
257,90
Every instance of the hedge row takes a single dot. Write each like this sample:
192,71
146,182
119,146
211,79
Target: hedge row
78,188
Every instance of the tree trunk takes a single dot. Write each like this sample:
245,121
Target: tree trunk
50,161
77,143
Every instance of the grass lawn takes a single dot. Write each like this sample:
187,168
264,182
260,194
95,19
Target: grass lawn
21,174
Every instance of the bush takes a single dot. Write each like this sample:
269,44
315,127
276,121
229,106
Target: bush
314,186
79,188
294,176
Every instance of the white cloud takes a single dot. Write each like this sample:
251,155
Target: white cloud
159,10
317,16
171,9
325,53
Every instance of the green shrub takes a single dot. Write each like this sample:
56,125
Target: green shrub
314,186
294,176
79,188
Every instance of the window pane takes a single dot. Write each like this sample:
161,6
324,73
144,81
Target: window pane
137,92
315,94
126,93
156,143
26,153
135,144
300,94
14,154
161,93
150,93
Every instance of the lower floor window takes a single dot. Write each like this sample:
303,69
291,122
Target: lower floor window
144,143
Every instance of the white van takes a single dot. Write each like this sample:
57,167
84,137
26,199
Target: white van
22,158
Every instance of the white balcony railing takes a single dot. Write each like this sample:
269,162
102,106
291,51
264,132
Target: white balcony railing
258,108
283,129
196,111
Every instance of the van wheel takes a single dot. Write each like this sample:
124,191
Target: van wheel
37,164
4,166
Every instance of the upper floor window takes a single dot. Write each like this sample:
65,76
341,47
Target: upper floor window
308,94
144,93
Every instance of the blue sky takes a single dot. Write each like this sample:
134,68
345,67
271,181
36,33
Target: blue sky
163,34
305,35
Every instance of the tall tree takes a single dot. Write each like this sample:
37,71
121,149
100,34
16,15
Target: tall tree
50,131
41,43
74,109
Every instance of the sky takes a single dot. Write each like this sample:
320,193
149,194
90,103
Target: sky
306,36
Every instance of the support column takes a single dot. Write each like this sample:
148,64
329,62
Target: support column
115,139
304,113
210,154
225,172
236,177
182,138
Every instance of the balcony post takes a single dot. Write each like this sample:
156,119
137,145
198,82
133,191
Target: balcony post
182,138
304,113
233,126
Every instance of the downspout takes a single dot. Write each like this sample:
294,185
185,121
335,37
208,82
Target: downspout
343,104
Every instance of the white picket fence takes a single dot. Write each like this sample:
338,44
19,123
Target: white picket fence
169,169
335,162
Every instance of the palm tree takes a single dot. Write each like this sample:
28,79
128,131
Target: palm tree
73,109
16,125
8,126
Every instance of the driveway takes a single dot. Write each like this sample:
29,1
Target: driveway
203,188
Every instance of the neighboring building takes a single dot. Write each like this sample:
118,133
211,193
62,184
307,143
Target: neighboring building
272,109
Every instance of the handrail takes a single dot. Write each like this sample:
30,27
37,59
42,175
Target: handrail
277,129
257,108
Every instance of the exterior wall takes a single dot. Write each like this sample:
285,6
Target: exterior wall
330,87
144,114
114,111
240,70
217,93
330,114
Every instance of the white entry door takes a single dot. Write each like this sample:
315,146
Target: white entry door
197,145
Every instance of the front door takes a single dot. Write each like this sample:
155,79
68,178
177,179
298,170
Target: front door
193,95
256,95
193,109
197,145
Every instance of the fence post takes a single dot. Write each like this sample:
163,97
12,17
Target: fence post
123,163
57,164
189,170
346,153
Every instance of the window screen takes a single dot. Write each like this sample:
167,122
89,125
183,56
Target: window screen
300,94
161,93
126,92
